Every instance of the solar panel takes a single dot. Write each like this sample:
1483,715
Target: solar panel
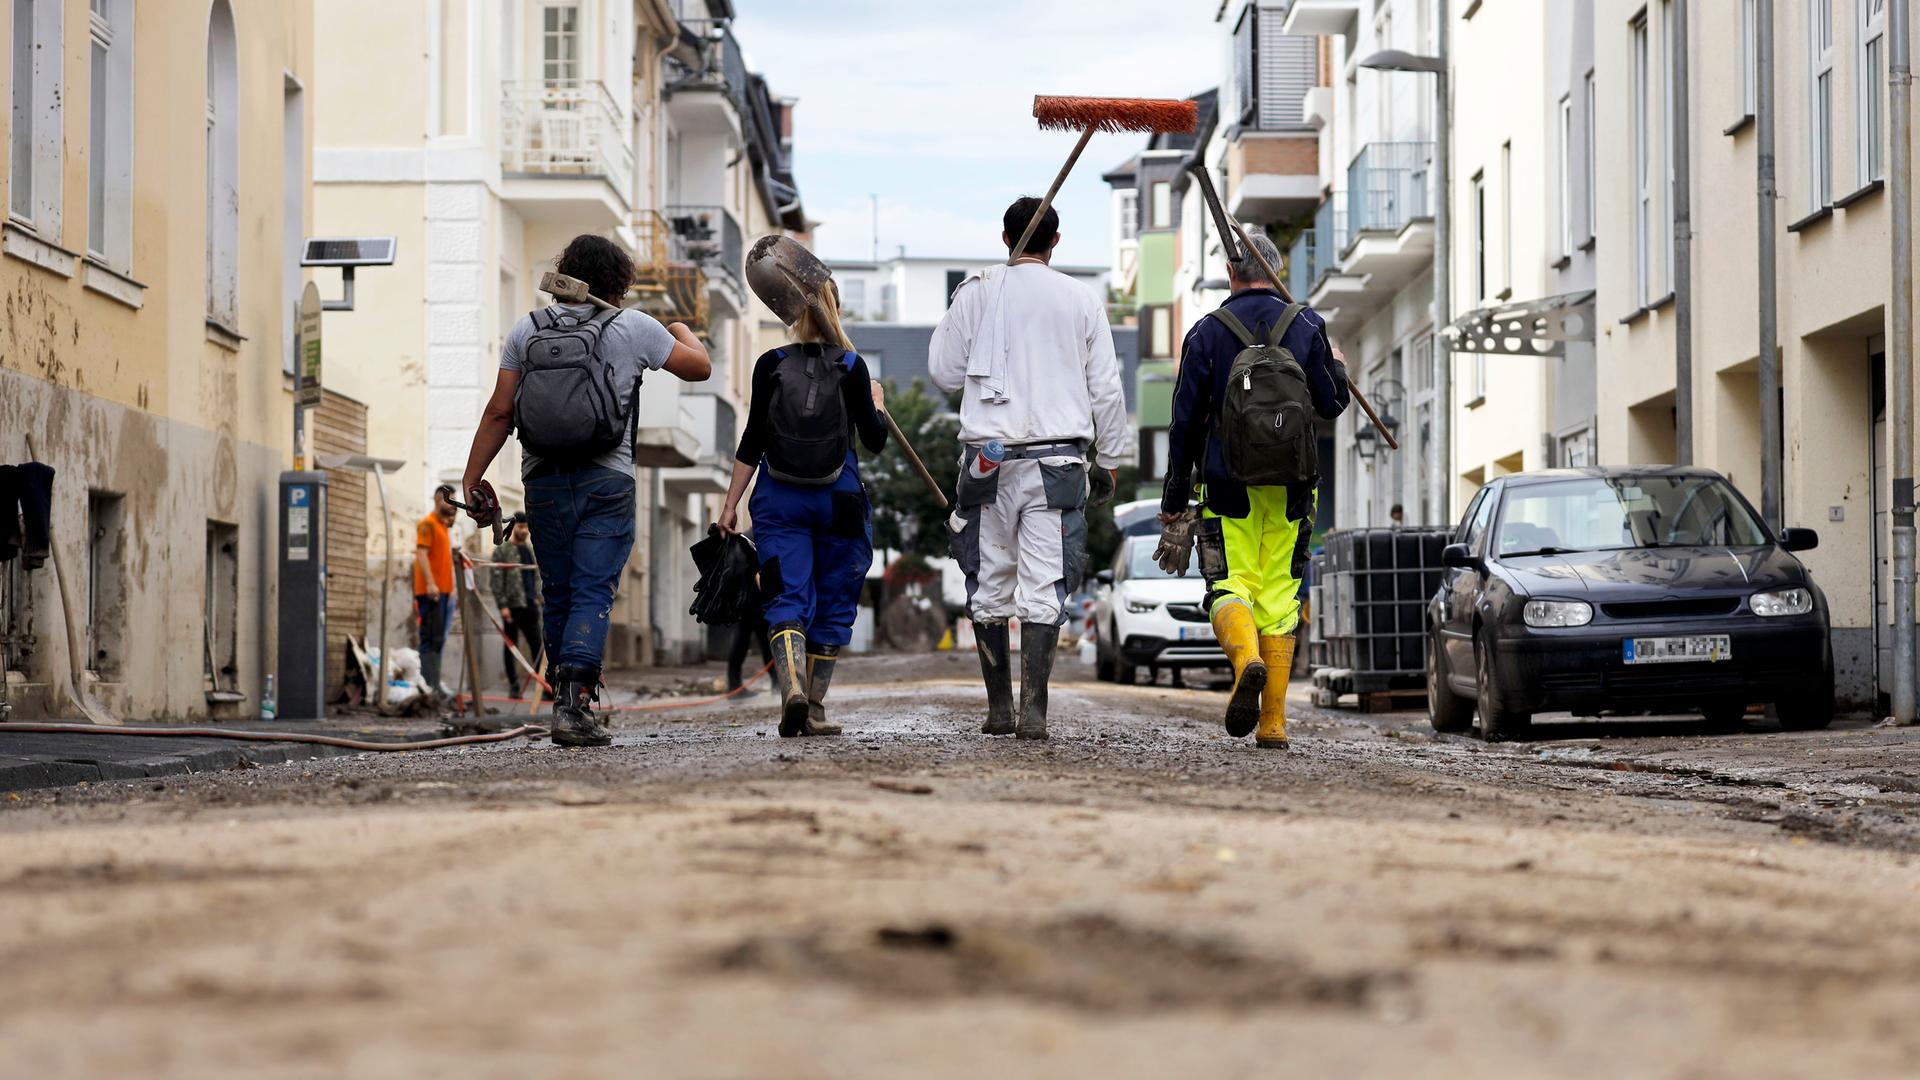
348,251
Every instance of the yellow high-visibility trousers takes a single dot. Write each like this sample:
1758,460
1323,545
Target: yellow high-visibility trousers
1267,559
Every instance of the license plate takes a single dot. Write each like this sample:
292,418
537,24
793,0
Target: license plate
1196,633
1707,648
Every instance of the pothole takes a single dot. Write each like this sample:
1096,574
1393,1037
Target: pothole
1090,962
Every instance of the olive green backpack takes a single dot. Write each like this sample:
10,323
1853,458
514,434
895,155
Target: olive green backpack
1266,419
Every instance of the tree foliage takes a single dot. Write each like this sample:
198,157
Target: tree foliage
905,516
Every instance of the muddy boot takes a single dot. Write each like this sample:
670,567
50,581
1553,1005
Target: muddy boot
576,689
1037,645
820,662
1277,652
790,677
1240,639
990,641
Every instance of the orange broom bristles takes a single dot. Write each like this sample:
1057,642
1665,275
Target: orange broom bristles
1115,114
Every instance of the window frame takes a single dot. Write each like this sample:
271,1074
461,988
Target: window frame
223,168
1669,148
1642,135
1870,103
1820,77
1593,158
1129,215
1749,66
1564,152
1506,220
37,135
1477,206
549,36
110,125
1161,194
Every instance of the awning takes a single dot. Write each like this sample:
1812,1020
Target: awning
1530,328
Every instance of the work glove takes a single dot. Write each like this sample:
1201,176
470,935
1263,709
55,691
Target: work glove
1176,545
1102,481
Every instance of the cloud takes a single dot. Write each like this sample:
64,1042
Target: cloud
930,106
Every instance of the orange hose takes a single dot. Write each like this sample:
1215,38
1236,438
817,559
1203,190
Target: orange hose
526,730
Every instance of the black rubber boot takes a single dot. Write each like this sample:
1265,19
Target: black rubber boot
820,662
575,691
790,677
1037,645
990,641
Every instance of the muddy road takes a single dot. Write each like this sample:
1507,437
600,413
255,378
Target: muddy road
1137,897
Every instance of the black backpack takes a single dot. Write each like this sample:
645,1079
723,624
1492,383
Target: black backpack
1266,420
567,408
807,418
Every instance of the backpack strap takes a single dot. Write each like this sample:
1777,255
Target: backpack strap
1286,321
542,318
847,359
1234,326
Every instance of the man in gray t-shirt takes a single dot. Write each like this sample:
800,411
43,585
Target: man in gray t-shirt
632,341
582,517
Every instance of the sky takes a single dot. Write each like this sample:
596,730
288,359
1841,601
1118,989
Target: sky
929,105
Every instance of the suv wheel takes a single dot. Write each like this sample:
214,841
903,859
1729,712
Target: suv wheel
1497,722
1123,673
1445,709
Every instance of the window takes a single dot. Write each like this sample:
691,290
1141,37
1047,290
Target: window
1563,151
1129,214
1642,167
1576,450
1162,205
1479,206
36,138
1421,364
1506,220
110,128
1478,515
1820,103
954,280
1870,114
560,44
1749,67
1592,170
220,658
1671,149
1161,343
106,583
223,169
853,295
1154,449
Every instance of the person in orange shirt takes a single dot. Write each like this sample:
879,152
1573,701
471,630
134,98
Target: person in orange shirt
433,583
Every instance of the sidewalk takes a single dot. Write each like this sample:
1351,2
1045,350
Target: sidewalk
55,760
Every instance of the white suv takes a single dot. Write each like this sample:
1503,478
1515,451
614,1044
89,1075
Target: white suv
1144,618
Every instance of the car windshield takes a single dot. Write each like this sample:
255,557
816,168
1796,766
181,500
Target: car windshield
1140,562
1599,513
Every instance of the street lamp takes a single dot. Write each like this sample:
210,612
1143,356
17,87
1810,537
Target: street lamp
1441,474
379,467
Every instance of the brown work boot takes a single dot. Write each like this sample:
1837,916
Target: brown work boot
820,663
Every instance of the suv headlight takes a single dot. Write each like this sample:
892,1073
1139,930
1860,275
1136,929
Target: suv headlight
1546,613
1141,607
1794,601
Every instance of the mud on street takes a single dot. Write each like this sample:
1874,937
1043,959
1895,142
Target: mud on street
1139,896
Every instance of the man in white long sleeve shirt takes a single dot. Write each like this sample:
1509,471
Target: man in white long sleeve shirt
1030,351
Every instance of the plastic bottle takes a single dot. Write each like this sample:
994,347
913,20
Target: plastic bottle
987,460
268,710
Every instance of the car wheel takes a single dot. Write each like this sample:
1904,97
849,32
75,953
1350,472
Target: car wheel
1811,711
1497,722
1123,673
1725,718
1102,665
1445,709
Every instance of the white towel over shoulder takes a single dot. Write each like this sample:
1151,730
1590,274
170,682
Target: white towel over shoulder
992,344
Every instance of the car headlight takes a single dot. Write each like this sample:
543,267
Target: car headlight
1794,601
1141,607
1545,613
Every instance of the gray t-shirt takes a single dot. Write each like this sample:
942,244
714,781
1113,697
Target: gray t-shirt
632,341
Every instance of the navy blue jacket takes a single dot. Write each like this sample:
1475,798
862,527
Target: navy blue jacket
1205,359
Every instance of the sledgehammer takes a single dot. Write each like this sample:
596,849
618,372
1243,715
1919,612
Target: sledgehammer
1230,246
570,289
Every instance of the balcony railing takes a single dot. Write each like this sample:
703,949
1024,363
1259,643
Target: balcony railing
687,297
1317,251
722,66
709,237
568,129
650,250
1387,186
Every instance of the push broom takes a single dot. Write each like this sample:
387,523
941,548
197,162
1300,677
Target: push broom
1113,115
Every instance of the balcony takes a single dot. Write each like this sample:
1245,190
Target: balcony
1389,211
707,97
564,150
710,238
1324,17
650,253
663,436
711,420
1272,176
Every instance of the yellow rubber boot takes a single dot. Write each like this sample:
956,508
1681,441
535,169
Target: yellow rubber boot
1277,653
1240,639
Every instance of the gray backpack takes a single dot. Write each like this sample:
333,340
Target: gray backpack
567,408
1266,419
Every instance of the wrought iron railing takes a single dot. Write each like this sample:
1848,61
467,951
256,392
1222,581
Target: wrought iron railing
1387,186
687,295
722,66
570,128
708,236
651,249
1317,252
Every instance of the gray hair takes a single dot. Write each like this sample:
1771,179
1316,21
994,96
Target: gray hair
1246,267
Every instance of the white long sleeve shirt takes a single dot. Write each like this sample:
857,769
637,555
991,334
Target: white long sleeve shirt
1043,362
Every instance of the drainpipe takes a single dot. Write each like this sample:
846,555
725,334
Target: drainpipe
1900,351
1769,308
1442,275
1682,244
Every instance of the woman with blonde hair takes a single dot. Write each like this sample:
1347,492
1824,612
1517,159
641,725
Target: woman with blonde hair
812,521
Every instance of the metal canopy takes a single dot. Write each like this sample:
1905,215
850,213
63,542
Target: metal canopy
1530,328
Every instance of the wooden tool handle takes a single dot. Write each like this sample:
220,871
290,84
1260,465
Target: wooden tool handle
913,459
1020,248
1274,276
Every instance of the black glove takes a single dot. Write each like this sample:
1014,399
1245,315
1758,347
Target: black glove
1102,481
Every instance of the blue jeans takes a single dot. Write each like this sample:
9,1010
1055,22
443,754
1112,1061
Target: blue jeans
821,539
582,528
436,618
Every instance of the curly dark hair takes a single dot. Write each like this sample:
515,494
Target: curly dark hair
602,264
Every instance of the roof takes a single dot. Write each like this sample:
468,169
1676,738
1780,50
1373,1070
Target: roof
1120,174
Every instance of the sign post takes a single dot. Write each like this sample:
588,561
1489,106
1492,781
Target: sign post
306,370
